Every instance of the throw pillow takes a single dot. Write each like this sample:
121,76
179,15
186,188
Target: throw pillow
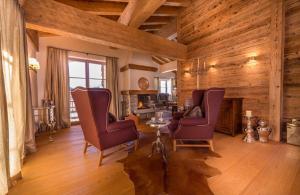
195,112
187,112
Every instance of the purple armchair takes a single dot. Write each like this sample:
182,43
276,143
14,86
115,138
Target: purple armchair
197,96
100,129
199,128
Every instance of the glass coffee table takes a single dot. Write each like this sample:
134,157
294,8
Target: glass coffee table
157,145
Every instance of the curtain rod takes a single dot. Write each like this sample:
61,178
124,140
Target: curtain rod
82,52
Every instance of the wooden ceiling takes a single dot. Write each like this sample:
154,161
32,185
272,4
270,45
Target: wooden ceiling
147,15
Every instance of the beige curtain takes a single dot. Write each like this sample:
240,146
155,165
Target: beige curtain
57,85
15,103
112,83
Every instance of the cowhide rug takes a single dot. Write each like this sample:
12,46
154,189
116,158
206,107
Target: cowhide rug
185,172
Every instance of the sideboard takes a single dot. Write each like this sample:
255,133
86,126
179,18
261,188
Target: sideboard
230,116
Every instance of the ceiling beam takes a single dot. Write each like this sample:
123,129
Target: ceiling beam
128,12
166,11
157,60
105,8
138,11
176,3
112,17
154,20
56,18
150,27
97,7
168,30
34,37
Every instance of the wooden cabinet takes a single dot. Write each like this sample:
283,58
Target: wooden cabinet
230,117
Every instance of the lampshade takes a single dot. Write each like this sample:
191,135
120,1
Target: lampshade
34,64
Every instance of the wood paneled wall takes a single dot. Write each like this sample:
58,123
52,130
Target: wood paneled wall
227,33
291,98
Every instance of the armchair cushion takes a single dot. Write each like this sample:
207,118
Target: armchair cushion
124,124
192,121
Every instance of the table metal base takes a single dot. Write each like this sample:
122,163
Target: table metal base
158,147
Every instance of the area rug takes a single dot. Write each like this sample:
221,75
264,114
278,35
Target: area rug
184,173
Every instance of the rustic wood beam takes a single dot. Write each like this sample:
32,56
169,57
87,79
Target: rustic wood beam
166,11
176,3
45,34
56,18
96,7
128,12
34,37
105,8
157,60
153,20
151,27
112,17
138,67
138,11
276,67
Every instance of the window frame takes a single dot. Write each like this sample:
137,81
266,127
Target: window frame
165,86
87,80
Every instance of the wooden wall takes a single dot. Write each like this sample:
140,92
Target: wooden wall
291,98
227,33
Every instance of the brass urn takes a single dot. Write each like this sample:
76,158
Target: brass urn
263,131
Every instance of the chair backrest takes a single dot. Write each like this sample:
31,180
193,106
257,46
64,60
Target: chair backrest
92,105
212,101
197,96
163,97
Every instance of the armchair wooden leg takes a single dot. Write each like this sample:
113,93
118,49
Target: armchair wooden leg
101,158
136,144
86,145
174,145
211,144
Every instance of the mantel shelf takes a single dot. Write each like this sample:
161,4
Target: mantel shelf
138,92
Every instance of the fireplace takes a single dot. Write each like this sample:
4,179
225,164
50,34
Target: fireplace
140,102
143,103
146,101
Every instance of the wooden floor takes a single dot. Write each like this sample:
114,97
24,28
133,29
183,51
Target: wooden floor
61,168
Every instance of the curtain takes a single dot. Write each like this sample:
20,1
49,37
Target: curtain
112,83
57,85
15,103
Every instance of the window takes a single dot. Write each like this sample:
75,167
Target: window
165,86
85,73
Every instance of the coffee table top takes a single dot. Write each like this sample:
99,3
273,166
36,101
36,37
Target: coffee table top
158,123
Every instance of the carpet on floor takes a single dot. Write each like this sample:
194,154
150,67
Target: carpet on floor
184,173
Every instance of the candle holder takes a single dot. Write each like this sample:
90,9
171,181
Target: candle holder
249,138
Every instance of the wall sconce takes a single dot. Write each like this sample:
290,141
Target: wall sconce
199,68
34,64
187,71
252,60
212,66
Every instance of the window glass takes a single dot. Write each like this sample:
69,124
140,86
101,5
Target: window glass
165,86
96,83
96,71
76,69
77,82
